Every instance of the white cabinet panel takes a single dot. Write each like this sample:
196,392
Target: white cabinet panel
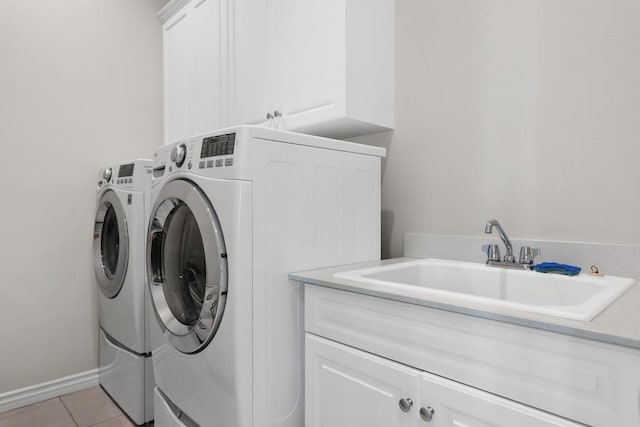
253,47
314,34
456,405
175,57
337,66
347,388
208,69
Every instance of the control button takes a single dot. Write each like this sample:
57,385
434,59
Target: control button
108,172
228,162
209,163
189,165
218,163
201,164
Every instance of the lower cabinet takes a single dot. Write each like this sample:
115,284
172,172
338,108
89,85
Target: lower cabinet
347,387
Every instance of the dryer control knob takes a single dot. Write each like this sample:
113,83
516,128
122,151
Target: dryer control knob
106,174
178,154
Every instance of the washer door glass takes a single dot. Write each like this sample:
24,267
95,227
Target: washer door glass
110,244
187,266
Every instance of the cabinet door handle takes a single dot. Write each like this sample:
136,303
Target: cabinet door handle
427,413
405,404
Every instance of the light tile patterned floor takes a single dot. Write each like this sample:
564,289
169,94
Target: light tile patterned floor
85,408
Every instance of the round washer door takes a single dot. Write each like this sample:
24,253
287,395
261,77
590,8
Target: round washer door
186,266
110,244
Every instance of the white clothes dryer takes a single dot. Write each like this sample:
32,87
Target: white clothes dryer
233,212
126,372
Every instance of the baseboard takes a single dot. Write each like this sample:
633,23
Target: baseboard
39,392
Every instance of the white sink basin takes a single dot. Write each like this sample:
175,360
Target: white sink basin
580,297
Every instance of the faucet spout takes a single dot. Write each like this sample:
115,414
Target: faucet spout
488,229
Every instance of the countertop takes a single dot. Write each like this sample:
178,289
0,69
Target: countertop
618,324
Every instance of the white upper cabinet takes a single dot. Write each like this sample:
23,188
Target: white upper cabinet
324,67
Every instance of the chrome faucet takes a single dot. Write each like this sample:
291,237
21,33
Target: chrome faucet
527,254
507,243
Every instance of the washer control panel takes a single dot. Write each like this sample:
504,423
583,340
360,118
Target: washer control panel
217,151
127,176
214,155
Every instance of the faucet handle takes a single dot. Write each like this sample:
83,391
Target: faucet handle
527,254
492,251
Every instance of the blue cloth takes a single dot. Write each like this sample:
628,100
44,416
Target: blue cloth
554,267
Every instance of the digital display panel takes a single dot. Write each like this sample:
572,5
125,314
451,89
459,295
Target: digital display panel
220,145
126,170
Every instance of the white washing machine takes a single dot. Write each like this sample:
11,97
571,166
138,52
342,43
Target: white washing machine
124,309
233,212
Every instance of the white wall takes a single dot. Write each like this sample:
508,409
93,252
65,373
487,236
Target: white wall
80,87
526,111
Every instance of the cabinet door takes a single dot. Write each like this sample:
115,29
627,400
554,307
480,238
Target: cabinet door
454,405
311,67
175,41
252,92
208,69
349,388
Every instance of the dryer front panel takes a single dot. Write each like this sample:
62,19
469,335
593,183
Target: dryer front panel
110,244
186,265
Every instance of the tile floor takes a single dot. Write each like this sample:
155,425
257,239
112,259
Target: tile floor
86,408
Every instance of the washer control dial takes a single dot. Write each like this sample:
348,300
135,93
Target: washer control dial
106,174
178,154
